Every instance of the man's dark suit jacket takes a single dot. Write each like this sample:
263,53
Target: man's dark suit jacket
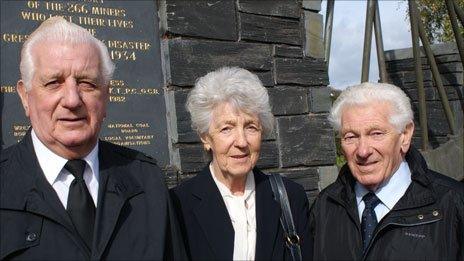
208,230
134,218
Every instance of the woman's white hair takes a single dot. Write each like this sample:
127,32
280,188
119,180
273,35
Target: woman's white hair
57,29
237,86
367,93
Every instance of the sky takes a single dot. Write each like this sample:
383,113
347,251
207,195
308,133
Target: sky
348,38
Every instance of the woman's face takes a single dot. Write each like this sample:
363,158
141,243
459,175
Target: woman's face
234,138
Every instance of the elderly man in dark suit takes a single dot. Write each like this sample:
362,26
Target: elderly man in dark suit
64,194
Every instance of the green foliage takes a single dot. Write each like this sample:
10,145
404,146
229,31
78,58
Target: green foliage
340,160
435,19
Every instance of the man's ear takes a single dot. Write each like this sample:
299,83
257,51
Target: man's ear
407,137
21,89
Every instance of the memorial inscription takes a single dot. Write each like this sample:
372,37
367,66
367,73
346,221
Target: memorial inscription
136,115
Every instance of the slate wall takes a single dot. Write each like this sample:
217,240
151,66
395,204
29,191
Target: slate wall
400,67
280,41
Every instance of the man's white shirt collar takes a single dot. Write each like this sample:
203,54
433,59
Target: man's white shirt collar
389,192
52,165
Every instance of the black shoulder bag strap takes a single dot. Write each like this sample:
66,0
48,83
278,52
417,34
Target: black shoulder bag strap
292,240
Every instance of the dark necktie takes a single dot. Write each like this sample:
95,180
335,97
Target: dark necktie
80,207
369,219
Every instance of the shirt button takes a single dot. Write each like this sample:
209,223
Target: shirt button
31,237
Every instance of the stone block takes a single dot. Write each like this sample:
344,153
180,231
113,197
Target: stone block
450,67
320,100
305,140
269,155
288,51
288,100
452,78
401,78
436,118
184,129
190,59
314,41
269,29
314,5
437,49
327,176
209,18
432,94
306,71
306,177
283,8
447,58
193,157
405,65
266,77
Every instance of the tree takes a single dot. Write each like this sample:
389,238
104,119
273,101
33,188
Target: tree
435,19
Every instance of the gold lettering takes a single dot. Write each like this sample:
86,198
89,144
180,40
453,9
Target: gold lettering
8,89
14,38
120,23
33,16
93,21
117,82
54,6
117,98
77,8
108,11
129,45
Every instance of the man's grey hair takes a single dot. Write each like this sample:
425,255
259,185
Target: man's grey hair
367,93
236,86
57,29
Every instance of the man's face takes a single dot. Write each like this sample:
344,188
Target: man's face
372,146
66,103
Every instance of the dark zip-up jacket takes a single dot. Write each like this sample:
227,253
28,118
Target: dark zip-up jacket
427,223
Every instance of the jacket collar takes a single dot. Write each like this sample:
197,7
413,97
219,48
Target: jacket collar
212,215
116,187
419,193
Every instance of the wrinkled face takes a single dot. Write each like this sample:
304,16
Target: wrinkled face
234,138
371,144
66,103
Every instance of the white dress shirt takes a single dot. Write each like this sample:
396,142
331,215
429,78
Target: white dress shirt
389,192
52,166
242,213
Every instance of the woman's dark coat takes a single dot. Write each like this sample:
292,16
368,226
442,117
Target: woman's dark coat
207,227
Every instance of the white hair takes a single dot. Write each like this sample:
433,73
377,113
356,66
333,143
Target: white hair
366,93
57,29
237,86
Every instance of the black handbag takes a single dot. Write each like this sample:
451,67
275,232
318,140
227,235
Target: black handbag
292,240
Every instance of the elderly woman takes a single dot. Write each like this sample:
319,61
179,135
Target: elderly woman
228,211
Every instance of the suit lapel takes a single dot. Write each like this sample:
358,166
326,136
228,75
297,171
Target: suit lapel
29,190
27,178
212,215
116,187
267,217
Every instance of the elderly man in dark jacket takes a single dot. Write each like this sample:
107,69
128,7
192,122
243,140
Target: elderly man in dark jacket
386,204
65,195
